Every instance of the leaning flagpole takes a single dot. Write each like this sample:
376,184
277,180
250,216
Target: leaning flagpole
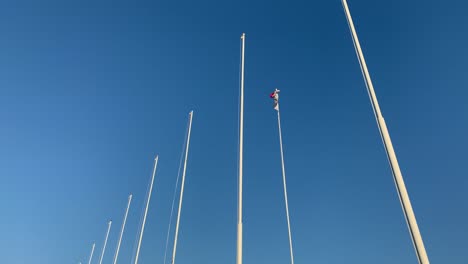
92,252
241,142
105,242
397,176
146,210
182,188
122,229
284,185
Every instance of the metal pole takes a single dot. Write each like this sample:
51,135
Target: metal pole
92,252
146,210
397,176
182,189
105,242
241,142
122,229
284,187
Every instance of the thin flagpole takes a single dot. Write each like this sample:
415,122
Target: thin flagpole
146,210
92,252
241,143
397,176
182,188
122,229
284,186
175,194
105,242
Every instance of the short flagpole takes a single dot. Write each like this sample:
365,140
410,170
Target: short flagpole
284,185
182,188
105,242
146,210
122,229
241,142
397,176
91,254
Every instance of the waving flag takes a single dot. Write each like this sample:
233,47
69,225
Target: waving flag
275,96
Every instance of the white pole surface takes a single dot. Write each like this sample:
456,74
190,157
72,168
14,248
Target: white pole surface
92,252
182,189
105,242
122,229
175,195
397,176
241,143
284,186
146,210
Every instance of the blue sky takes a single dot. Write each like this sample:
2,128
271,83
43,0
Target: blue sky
91,91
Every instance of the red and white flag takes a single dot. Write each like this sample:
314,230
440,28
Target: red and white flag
275,96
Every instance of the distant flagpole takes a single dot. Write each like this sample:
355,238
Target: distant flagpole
122,229
105,242
146,210
241,143
92,252
397,176
182,188
284,183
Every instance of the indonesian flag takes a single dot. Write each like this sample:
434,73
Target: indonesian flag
275,96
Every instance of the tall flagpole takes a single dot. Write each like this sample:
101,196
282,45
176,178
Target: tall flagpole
284,186
146,210
241,143
182,188
92,252
397,176
122,229
105,242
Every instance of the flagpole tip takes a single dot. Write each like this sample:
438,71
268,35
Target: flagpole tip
243,36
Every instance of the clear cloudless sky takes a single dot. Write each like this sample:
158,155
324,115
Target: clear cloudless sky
91,91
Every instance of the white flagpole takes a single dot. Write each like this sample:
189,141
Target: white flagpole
241,143
92,252
122,229
284,186
146,210
105,242
397,176
182,188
